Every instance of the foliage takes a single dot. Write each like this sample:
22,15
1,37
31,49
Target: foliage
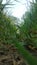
29,28
26,55
8,32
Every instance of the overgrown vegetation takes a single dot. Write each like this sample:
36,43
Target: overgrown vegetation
27,32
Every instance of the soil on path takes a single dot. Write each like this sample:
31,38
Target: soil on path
10,56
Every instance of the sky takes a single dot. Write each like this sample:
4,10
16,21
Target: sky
19,8
19,11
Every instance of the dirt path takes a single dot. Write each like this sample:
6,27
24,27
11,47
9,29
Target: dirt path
10,56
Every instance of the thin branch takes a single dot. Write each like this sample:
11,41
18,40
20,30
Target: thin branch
8,4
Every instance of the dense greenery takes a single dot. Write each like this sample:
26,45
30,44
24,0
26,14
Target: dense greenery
26,32
29,27
7,30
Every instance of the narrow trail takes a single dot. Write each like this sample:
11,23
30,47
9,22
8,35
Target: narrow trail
10,56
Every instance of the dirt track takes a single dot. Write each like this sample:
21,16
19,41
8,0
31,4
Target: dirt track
10,56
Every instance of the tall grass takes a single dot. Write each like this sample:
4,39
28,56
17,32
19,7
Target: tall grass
26,55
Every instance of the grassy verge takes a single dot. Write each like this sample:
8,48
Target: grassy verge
30,59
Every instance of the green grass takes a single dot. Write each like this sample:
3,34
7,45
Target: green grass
30,59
